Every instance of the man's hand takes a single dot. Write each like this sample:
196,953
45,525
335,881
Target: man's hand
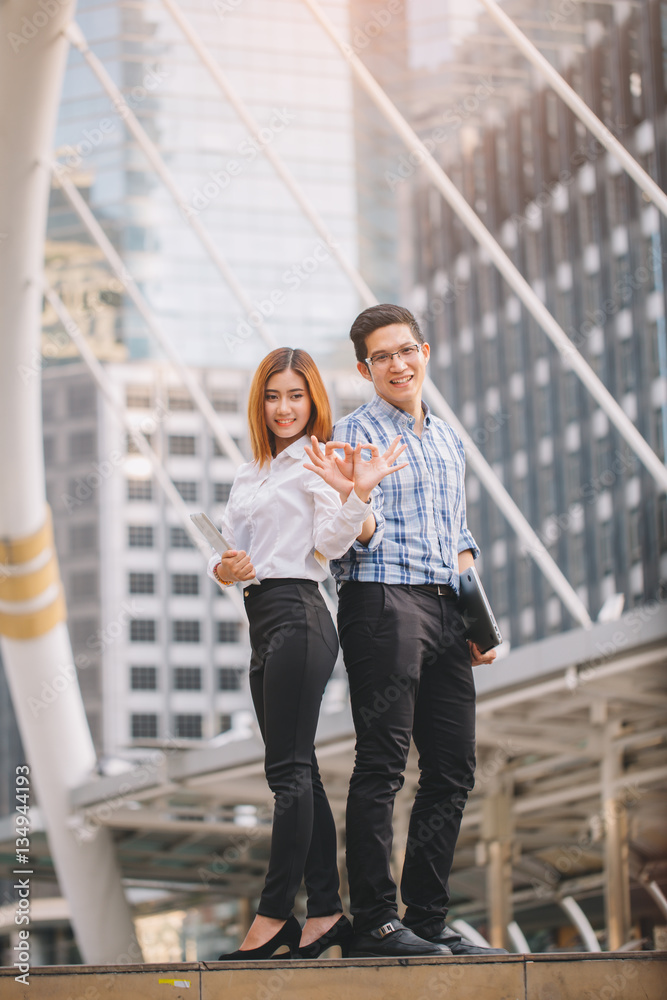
369,472
235,566
477,657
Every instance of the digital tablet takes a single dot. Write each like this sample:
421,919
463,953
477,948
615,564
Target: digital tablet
214,538
480,624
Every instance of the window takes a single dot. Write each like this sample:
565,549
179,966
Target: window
82,538
185,583
228,631
589,219
573,475
518,425
185,631
606,547
221,492
180,539
142,583
144,726
224,723
187,678
140,536
187,490
81,446
544,411
634,535
139,489
187,727
548,489
181,444
80,400
225,400
83,629
83,586
179,399
138,397
143,630
217,450
229,679
570,397
143,678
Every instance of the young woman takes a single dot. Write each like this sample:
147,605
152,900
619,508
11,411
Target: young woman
283,513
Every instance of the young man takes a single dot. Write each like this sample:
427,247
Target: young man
409,667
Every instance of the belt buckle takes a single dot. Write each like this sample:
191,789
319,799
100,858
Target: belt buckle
441,589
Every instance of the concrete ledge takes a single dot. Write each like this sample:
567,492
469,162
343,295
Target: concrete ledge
514,977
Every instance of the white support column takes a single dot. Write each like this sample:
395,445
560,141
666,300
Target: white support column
579,106
512,275
35,644
616,842
148,147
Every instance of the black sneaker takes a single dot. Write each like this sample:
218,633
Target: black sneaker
393,940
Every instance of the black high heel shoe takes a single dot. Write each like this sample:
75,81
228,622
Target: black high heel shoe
340,934
289,934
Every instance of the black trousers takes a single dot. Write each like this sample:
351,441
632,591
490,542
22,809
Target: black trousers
294,647
410,674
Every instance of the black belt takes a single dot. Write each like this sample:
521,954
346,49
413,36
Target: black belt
440,589
256,589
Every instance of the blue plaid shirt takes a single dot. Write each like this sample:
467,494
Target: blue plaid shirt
420,511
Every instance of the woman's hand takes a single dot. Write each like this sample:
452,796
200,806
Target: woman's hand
367,473
337,472
235,567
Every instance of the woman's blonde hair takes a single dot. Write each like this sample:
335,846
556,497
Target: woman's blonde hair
262,440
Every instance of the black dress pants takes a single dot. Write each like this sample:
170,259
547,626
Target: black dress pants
410,674
294,648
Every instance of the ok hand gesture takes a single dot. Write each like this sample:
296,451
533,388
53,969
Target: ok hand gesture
352,471
368,472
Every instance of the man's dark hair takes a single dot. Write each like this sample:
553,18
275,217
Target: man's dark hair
374,318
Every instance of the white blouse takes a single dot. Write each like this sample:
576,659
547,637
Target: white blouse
280,514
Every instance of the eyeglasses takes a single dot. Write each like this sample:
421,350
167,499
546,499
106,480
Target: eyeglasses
382,361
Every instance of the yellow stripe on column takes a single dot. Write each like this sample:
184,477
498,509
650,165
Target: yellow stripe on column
32,624
14,551
24,586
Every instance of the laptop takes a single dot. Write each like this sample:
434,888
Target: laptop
480,624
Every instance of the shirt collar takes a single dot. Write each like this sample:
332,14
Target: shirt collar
398,416
295,450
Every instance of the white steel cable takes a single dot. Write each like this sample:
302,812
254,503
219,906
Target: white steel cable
76,37
218,429
277,162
